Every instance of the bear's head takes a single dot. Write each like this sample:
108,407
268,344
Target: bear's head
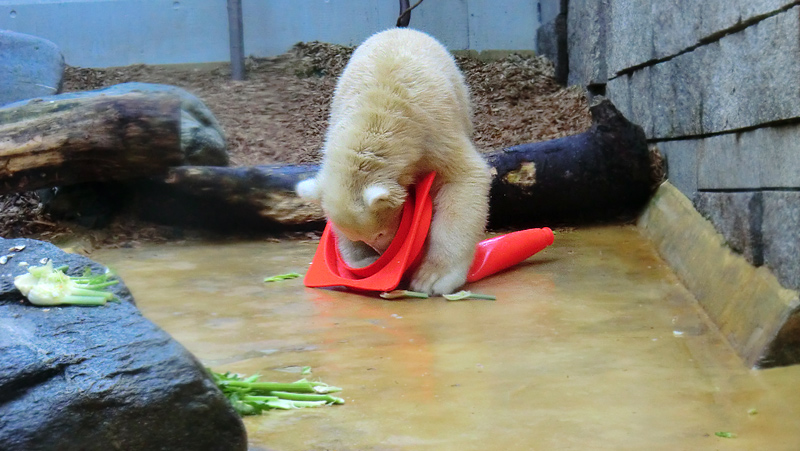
368,212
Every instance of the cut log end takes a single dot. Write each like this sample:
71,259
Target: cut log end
93,138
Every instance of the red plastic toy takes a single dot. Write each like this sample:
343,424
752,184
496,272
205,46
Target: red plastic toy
385,274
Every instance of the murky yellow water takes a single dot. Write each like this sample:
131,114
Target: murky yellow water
591,345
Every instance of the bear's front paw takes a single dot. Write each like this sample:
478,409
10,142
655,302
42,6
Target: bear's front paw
439,279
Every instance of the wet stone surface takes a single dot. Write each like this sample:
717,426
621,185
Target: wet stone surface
99,378
592,344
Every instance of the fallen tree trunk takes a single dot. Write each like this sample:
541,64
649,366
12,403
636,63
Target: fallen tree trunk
602,174
113,137
605,173
255,197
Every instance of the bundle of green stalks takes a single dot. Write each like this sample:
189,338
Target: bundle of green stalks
248,396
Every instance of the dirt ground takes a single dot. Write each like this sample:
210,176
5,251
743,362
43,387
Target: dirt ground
279,115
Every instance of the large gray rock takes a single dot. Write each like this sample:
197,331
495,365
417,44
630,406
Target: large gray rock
642,108
764,157
202,139
676,94
99,378
666,99
618,91
29,67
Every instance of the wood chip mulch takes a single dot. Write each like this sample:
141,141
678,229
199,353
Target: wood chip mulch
279,114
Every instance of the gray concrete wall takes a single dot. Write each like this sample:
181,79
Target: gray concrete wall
551,38
716,86
103,33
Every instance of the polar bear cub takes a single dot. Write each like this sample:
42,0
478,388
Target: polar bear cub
401,109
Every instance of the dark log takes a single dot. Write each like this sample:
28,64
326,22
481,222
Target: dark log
244,198
605,173
113,137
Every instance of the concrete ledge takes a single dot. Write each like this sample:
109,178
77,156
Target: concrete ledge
759,318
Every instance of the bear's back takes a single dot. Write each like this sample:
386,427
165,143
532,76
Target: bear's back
410,64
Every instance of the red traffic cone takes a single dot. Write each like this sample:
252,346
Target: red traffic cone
328,269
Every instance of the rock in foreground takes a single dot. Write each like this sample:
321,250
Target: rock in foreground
99,378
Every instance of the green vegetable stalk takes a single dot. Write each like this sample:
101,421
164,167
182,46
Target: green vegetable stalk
400,294
279,277
248,396
461,295
45,285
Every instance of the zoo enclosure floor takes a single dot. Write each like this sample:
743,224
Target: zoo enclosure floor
592,344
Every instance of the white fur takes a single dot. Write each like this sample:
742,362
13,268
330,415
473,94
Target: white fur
401,109
308,190
374,194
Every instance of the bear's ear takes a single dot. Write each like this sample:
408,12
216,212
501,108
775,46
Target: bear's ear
308,190
380,196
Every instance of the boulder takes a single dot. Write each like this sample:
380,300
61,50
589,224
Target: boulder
29,67
99,378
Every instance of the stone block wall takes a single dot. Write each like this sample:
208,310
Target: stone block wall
716,87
